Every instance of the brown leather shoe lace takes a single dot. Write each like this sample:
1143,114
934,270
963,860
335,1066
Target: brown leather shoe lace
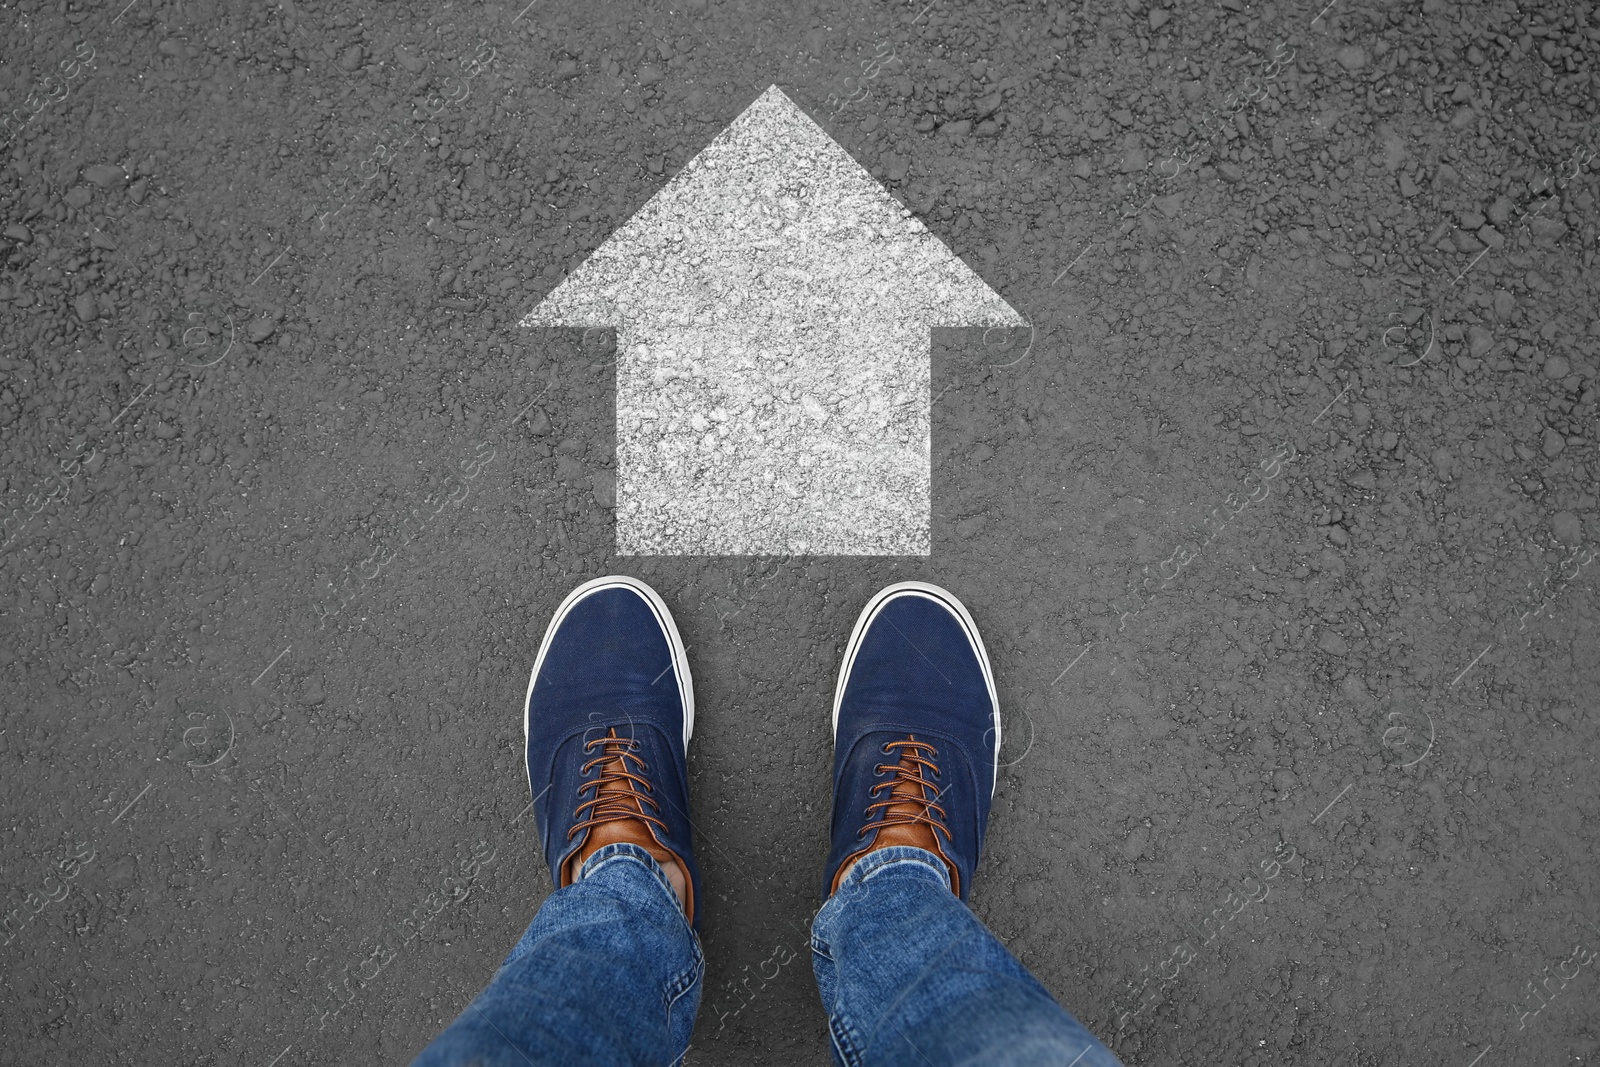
909,816
616,812
620,793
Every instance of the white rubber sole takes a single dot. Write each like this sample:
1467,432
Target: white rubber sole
680,660
945,599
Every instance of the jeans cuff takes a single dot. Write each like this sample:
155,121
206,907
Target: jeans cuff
895,856
624,852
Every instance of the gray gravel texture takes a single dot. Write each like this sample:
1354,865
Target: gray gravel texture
1279,518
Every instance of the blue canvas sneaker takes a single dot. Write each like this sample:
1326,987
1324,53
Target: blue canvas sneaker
607,720
916,734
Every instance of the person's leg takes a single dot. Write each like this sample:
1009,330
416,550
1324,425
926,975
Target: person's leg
609,971
910,976
907,973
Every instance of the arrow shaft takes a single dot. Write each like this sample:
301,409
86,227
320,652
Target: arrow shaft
773,439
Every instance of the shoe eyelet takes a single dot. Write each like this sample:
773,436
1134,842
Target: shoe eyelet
884,748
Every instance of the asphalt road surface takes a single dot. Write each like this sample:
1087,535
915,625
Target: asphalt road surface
1278,514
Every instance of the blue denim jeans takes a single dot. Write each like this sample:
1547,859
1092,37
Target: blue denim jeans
609,973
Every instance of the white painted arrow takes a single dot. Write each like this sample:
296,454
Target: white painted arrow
773,305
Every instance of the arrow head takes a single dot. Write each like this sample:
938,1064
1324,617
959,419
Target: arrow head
772,220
